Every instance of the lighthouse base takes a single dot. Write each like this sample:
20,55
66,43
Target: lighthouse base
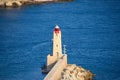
55,72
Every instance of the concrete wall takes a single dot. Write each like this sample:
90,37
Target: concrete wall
51,60
55,72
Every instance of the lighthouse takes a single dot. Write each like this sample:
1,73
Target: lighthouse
57,65
57,48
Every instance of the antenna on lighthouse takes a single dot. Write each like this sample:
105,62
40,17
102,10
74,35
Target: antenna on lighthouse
64,49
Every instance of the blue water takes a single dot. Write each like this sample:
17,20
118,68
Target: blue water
90,29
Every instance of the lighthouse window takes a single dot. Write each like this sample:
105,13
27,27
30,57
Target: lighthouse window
56,45
57,55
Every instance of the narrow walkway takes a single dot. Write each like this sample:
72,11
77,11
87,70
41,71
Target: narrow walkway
55,73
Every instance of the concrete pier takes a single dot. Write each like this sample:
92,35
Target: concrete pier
55,72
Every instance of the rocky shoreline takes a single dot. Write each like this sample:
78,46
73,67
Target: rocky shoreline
18,3
73,72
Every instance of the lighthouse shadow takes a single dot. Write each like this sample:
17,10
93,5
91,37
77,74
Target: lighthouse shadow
45,69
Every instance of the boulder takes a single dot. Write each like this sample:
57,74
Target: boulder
2,4
8,4
17,3
13,4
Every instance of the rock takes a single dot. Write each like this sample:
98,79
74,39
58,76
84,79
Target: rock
13,4
73,72
17,3
8,4
2,4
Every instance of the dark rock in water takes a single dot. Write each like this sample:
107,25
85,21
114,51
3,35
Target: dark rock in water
44,69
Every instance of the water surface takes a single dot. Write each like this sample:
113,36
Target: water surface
90,29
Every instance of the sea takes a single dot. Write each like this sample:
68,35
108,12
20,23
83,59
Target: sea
90,31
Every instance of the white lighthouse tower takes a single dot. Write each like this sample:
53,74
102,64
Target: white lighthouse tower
57,48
